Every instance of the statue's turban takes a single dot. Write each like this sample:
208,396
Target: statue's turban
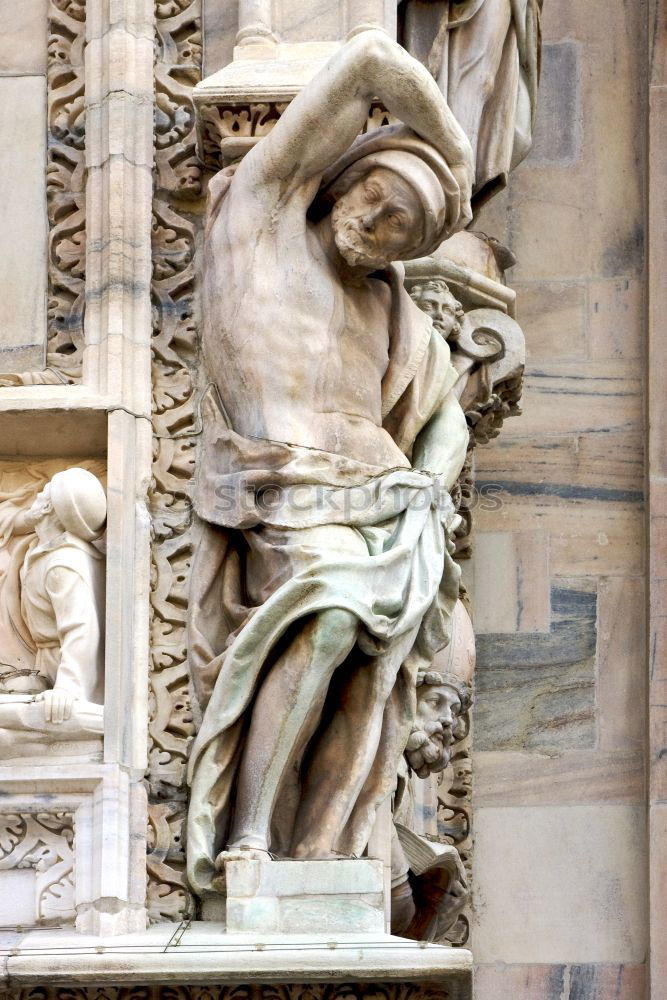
443,189
79,502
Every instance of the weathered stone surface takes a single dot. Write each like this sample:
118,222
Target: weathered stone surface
588,861
538,691
555,982
558,130
23,223
622,639
510,585
605,465
23,38
553,316
508,778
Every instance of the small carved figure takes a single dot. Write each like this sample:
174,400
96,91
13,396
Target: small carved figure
429,884
435,299
485,55
322,581
54,600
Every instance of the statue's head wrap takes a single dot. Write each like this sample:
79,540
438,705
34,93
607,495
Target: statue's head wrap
443,190
79,502
454,666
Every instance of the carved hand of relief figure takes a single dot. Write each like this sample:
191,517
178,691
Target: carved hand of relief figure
51,615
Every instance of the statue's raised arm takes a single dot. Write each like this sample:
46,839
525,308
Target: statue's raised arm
325,118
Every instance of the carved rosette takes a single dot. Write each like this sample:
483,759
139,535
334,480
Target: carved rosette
178,209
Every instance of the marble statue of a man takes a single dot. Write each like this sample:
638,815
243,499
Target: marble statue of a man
485,55
322,580
56,604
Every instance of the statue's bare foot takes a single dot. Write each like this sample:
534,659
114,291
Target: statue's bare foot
241,853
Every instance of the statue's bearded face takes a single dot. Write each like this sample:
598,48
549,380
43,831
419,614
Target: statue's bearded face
41,506
437,725
378,220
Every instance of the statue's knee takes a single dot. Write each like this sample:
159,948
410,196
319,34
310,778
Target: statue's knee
336,628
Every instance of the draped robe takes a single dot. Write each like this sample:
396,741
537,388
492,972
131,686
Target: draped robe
267,559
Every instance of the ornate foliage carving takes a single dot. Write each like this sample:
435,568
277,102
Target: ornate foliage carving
66,187
255,991
454,817
488,351
228,131
43,842
177,221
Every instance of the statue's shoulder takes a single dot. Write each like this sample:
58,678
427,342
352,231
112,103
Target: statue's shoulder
72,554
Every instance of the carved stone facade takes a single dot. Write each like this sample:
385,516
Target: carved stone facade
93,815
178,209
41,846
66,197
66,188
256,991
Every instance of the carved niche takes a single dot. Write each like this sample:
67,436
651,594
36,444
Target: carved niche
52,580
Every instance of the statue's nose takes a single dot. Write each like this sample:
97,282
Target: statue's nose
369,218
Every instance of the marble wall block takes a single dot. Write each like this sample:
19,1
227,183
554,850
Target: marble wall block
537,691
562,982
573,468
557,137
23,222
23,38
509,576
584,862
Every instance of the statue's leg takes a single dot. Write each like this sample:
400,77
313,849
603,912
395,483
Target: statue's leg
285,715
475,56
346,753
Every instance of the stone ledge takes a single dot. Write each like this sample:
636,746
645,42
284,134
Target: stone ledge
204,953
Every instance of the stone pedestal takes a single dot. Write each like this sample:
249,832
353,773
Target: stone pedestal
305,897
197,955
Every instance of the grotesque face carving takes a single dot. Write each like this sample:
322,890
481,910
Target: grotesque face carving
379,220
437,725
435,299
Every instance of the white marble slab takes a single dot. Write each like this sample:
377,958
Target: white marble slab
23,223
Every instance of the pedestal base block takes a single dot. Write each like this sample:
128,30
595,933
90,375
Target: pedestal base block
305,897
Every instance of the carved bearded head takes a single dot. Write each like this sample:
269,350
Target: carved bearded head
379,219
444,695
393,196
442,702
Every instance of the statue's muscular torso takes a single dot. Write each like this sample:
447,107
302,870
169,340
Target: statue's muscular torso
297,355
